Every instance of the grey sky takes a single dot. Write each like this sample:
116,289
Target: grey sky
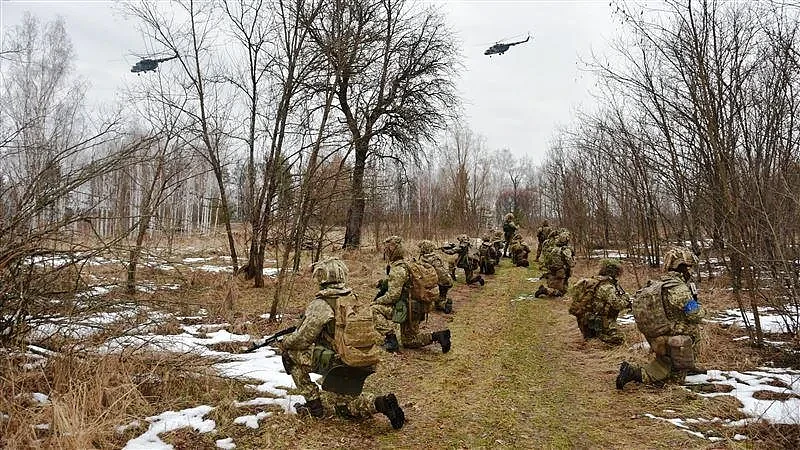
517,100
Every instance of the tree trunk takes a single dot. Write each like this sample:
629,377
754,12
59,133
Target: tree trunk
355,213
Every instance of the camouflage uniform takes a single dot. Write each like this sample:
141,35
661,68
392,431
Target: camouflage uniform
311,349
383,307
597,318
427,250
558,259
685,314
498,241
509,229
467,259
519,251
542,234
488,256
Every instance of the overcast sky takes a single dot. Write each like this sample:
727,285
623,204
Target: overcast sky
517,100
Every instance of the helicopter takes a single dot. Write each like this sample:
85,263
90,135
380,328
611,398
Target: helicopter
148,65
500,48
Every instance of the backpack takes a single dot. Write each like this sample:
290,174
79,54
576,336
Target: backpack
582,294
354,338
648,309
424,283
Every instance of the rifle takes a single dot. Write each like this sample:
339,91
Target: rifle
382,286
270,339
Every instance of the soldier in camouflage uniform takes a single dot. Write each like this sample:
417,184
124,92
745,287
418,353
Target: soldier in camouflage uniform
498,242
467,259
427,254
542,233
519,251
488,255
303,350
389,307
597,315
684,313
509,229
558,259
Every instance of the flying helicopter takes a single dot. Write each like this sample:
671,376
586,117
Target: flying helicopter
500,48
149,65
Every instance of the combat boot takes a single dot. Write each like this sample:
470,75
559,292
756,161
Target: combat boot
628,373
313,408
388,406
541,292
448,306
390,343
443,338
481,281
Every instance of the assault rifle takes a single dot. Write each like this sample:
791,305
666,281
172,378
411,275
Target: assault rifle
383,284
269,340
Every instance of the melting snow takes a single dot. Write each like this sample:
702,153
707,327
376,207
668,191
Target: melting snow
225,444
172,420
771,320
251,421
746,384
41,398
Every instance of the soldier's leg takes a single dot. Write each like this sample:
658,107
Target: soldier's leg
382,318
305,387
444,303
471,277
411,337
538,251
359,406
611,336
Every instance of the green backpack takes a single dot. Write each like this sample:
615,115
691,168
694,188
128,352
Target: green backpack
648,309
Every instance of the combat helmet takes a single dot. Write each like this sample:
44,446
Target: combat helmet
509,217
610,267
486,238
426,246
463,238
393,248
677,256
329,271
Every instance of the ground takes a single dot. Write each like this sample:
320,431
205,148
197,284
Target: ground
519,375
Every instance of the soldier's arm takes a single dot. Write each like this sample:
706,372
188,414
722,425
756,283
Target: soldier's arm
681,298
317,314
397,280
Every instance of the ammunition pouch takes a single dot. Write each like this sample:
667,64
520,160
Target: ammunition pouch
681,352
400,314
418,310
323,359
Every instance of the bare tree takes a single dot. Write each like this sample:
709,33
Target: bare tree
394,67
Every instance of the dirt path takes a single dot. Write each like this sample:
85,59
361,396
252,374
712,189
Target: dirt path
520,376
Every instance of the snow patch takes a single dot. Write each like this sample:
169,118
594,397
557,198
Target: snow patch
169,421
252,420
225,444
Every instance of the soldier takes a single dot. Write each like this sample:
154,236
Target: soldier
467,259
396,306
519,251
427,254
498,241
541,235
668,313
488,255
509,229
303,350
597,301
558,260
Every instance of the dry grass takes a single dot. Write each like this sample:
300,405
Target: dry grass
519,375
